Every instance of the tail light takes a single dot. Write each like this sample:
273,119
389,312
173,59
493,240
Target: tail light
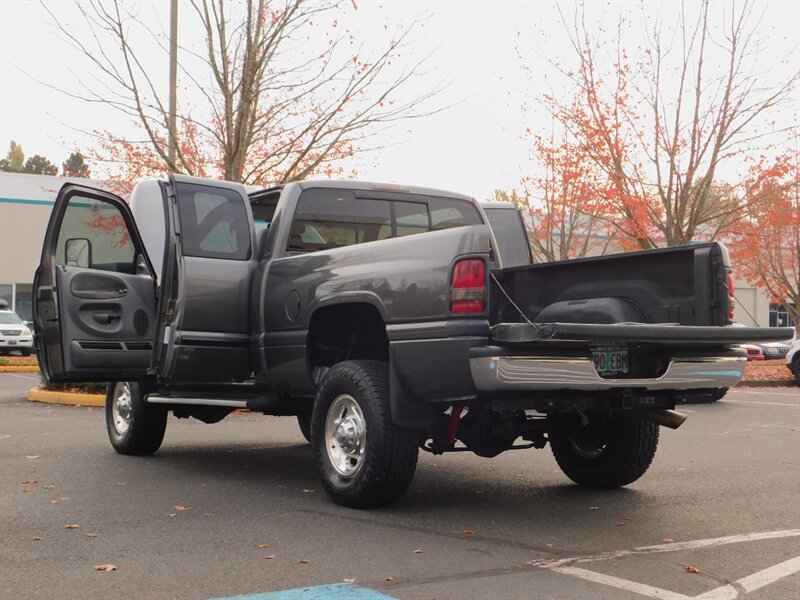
468,287
731,299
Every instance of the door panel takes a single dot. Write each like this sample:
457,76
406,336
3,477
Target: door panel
94,291
107,325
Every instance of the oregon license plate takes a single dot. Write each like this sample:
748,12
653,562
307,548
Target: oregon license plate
610,360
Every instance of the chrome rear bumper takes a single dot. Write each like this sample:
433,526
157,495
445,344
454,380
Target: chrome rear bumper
507,373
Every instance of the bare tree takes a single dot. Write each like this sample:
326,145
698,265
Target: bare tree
284,90
660,124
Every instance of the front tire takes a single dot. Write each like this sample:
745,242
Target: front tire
609,452
304,422
796,369
363,459
134,427
25,352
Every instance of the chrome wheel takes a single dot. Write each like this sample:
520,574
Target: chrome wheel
121,407
345,435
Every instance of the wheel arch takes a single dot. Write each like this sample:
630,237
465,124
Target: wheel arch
346,330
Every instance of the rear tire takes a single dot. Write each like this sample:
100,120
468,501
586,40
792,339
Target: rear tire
363,459
134,427
607,453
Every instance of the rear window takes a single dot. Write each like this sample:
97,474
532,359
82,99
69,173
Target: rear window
213,222
327,219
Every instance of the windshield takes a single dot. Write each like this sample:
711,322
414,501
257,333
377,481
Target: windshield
9,318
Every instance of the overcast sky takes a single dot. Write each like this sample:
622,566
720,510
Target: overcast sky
473,147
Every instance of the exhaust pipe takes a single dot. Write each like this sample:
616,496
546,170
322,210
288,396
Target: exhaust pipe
667,418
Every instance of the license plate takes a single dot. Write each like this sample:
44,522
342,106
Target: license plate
610,360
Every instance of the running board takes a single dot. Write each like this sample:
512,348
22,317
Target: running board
153,399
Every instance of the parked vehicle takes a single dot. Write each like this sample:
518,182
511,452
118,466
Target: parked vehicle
14,334
793,360
774,350
754,352
386,318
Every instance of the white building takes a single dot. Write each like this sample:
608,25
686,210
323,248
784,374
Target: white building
26,202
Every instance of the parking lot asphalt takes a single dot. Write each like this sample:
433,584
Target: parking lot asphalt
235,508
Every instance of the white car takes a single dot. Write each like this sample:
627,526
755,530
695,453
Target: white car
14,334
793,360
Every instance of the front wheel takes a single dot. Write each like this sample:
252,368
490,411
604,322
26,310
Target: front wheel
608,452
304,422
364,460
134,427
796,369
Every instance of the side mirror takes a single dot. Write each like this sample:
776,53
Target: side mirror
78,252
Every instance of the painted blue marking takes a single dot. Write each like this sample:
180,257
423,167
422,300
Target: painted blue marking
334,591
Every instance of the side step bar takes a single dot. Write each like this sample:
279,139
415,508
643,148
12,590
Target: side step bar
154,399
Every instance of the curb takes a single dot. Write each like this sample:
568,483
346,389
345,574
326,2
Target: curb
72,399
766,383
18,369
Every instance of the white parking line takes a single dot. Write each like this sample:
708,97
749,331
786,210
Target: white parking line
673,547
726,592
762,403
760,393
753,582
622,584
731,591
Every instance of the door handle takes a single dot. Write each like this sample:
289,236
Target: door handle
106,318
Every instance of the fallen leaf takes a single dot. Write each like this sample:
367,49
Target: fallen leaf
468,532
622,524
418,551
691,569
263,545
594,508
208,514
270,557
308,491
30,481
31,456
349,580
26,491
38,538
667,540
92,535
106,567
548,545
303,561
388,578
49,486
181,507
172,514
72,526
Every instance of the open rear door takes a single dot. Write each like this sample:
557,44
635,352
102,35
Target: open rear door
94,293
204,330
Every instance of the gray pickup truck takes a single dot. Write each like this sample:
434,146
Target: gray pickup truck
385,318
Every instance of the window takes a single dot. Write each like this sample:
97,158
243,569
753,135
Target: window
779,316
94,235
334,218
213,222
